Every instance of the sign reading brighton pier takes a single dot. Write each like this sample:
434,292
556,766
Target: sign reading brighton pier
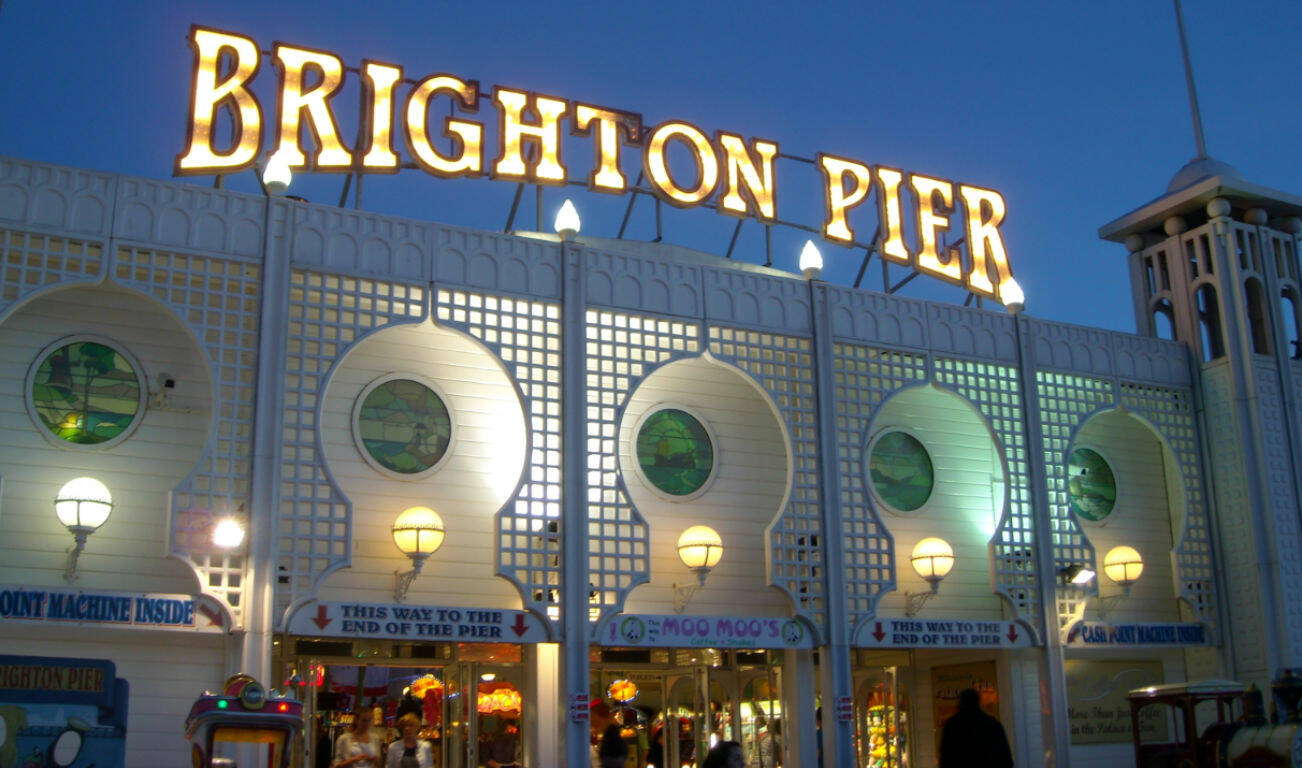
736,173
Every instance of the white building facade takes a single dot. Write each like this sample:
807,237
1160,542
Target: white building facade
569,408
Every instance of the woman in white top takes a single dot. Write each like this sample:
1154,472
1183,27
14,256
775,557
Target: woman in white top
358,747
409,751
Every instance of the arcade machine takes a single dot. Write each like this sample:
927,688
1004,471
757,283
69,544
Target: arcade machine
243,713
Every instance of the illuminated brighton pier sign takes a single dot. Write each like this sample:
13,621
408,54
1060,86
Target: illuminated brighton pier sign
735,174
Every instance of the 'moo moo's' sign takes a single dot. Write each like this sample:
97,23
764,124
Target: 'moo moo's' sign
736,173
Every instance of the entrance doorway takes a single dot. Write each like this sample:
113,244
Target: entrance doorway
470,699
684,701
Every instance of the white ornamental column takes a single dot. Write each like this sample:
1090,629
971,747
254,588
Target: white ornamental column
834,658
574,523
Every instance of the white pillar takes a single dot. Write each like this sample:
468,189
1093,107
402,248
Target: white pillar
268,416
574,518
800,734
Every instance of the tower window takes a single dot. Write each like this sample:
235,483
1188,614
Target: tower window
1209,320
1258,316
1288,313
1164,320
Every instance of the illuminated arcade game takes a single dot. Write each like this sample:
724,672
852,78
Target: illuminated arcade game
67,713
243,713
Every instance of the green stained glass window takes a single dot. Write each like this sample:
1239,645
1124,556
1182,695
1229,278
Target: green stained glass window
404,426
674,452
901,471
86,393
1091,485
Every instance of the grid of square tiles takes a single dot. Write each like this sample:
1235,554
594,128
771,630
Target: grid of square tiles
220,302
1065,401
327,314
620,348
995,391
1171,412
863,378
526,336
30,261
783,365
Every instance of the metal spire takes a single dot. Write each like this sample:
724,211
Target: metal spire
1189,81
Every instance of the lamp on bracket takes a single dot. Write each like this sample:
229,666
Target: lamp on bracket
700,548
932,559
83,504
418,532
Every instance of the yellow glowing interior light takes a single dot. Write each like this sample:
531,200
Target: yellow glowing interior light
207,95
932,558
469,135
294,102
380,80
1123,565
657,165
892,216
613,128
700,548
838,201
743,170
514,130
418,531
933,219
985,212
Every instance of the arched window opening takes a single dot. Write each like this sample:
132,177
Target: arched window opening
1288,313
1258,316
1209,320
1164,320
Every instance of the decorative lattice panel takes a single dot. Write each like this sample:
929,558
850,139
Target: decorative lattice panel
620,349
783,365
30,262
219,300
526,336
1065,401
327,314
864,378
1170,411
994,390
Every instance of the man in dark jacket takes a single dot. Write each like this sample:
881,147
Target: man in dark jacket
973,739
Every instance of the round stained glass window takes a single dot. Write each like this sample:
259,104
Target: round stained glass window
901,471
1090,485
674,452
86,393
404,426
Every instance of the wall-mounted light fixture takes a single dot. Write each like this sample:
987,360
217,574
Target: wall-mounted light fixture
932,559
567,221
418,532
82,505
1124,566
811,261
1077,575
228,533
700,548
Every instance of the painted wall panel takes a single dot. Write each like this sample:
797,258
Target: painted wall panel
129,551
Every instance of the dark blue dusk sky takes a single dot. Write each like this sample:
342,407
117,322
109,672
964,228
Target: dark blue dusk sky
1076,112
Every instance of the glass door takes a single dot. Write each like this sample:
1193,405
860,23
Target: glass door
459,734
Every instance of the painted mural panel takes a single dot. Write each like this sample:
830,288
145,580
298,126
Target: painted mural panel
58,711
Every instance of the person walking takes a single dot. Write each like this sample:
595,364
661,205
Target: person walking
409,751
973,739
359,746
769,750
613,751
